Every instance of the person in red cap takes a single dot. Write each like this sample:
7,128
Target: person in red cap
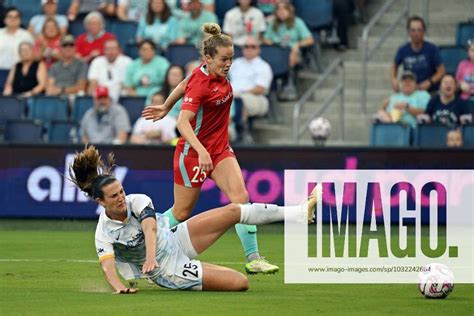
107,122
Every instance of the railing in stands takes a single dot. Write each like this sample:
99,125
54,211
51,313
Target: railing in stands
337,66
368,53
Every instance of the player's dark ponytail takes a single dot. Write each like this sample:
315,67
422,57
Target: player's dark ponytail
90,173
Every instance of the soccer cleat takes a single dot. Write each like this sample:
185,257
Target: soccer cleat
313,199
261,265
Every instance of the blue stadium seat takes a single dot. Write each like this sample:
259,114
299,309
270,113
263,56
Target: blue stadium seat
182,54
24,131
465,31
62,132
76,28
46,109
431,135
468,135
3,77
222,6
134,107
451,56
80,107
10,108
28,9
316,14
390,135
124,31
277,57
131,50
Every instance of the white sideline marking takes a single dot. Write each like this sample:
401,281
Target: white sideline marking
93,261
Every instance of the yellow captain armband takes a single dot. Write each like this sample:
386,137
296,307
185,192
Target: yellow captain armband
105,257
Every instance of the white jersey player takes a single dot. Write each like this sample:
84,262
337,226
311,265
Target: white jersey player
133,239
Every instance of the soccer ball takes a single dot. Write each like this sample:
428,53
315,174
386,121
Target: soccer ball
435,281
320,128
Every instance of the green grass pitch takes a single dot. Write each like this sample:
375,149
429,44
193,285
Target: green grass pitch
50,268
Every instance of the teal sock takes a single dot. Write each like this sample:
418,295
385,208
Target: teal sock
172,220
248,238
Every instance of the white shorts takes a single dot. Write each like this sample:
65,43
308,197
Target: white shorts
178,270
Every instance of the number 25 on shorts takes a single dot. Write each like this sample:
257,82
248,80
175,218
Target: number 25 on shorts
199,175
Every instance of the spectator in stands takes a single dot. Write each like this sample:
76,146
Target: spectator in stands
288,30
267,6
146,74
68,75
404,106
342,10
465,73
107,122
80,8
10,38
91,44
454,138
109,70
131,10
48,45
174,76
191,24
244,20
28,77
447,107
50,9
251,78
207,5
193,64
159,132
159,25
420,57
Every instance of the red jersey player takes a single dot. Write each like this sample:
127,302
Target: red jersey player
203,149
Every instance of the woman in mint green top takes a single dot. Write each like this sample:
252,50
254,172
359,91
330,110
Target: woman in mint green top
192,22
146,74
159,25
288,30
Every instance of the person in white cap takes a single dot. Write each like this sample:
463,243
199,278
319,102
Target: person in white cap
50,9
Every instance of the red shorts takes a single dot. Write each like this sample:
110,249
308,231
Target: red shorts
186,168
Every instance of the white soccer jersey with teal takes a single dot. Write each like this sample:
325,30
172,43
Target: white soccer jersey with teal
125,242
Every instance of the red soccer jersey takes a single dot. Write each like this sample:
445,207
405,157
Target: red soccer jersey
210,98
84,47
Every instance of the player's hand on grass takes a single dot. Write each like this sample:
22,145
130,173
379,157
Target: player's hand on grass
127,291
155,112
149,265
205,162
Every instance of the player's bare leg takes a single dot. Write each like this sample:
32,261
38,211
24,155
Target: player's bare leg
217,278
184,201
228,177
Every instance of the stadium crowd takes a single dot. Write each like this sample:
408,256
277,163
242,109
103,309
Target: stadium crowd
77,54
424,92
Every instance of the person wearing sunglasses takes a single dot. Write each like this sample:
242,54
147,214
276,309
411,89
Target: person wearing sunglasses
68,76
251,78
420,57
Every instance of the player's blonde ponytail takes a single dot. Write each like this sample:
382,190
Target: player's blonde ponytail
213,38
90,173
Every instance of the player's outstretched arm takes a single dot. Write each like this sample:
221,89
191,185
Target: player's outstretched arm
108,266
149,230
157,112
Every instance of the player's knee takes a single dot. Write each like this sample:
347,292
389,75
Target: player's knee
181,214
242,197
242,283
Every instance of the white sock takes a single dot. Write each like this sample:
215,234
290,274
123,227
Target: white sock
258,214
